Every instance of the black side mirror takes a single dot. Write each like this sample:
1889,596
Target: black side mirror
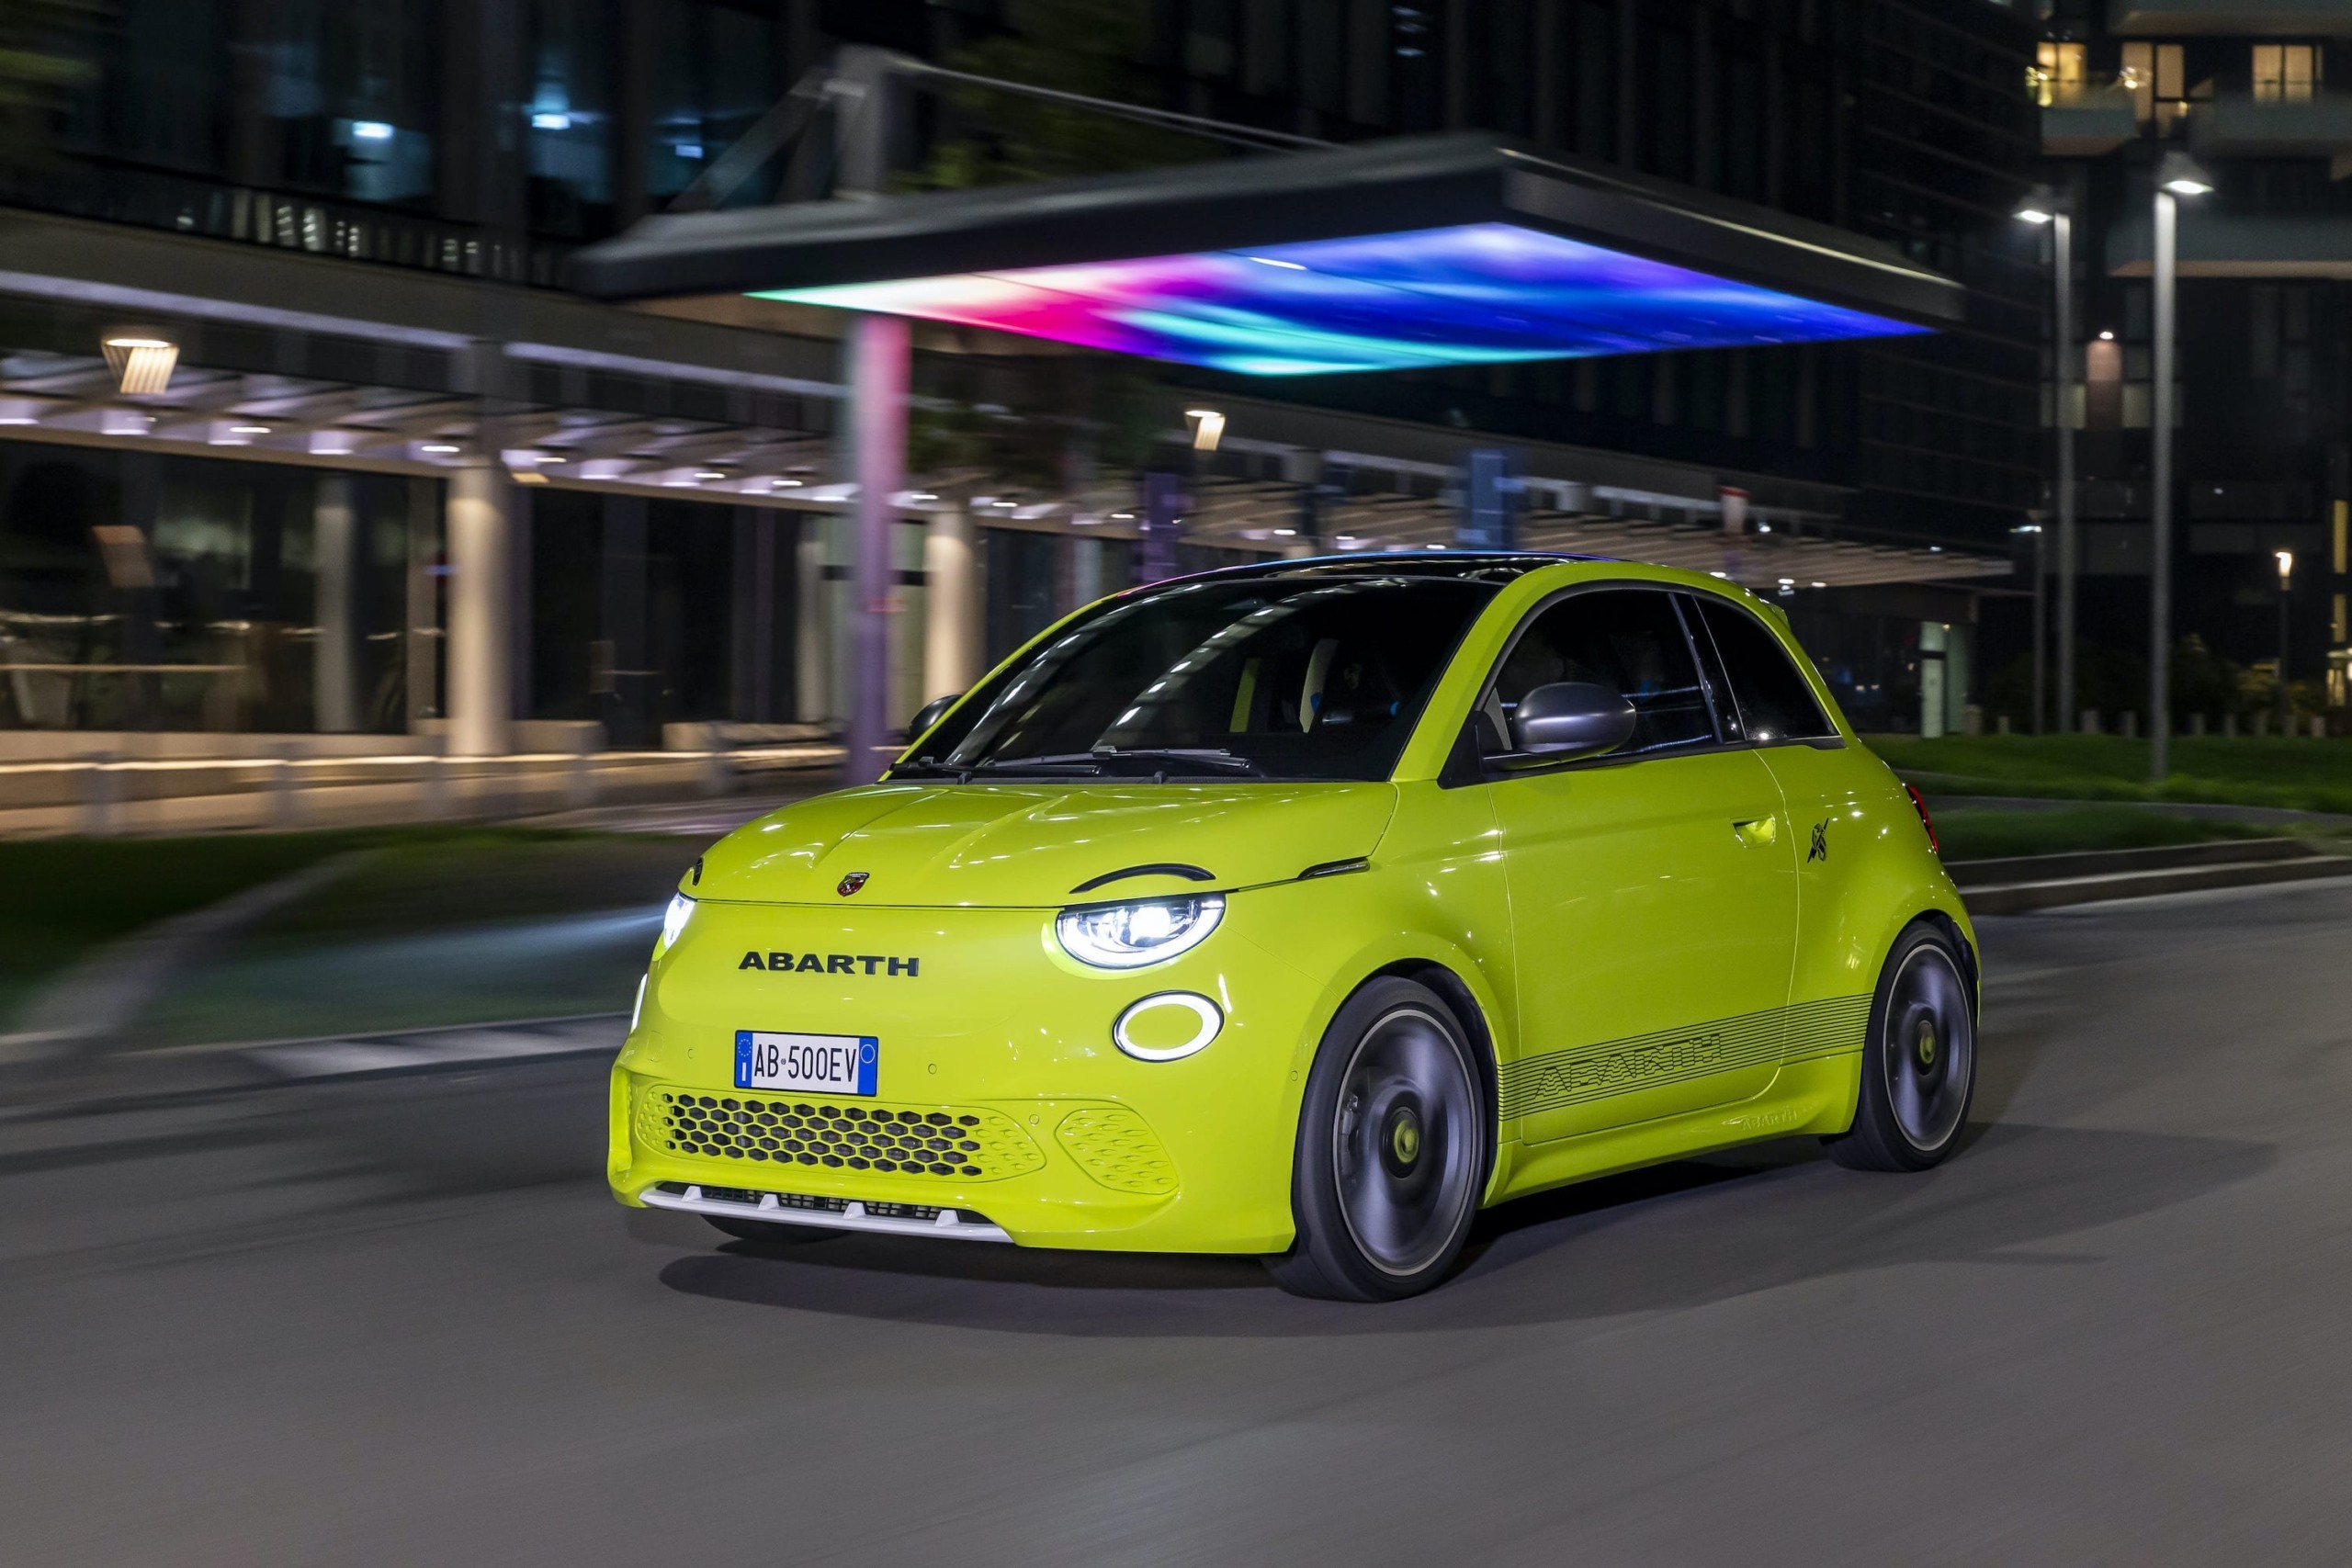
931,713
1572,718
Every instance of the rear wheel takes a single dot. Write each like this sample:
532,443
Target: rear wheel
1392,1150
1919,1068
768,1234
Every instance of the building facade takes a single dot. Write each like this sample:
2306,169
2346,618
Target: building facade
2260,97
401,485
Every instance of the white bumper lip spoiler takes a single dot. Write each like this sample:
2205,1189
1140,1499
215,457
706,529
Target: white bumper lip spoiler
852,1216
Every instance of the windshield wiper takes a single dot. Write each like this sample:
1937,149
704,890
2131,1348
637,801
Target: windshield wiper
1211,758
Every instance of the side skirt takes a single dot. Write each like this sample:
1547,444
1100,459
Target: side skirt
1812,1097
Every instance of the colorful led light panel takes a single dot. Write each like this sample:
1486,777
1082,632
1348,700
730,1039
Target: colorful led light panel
1477,294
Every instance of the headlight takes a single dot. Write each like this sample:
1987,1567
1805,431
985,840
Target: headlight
1128,936
674,921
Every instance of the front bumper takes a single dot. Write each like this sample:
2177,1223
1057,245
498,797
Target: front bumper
1000,1095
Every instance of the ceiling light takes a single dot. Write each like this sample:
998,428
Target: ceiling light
1123,517
249,430
2039,205
546,121
710,473
439,448
2107,337
1289,266
1208,428
1285,533
371,131
142,365
784,484
1821,585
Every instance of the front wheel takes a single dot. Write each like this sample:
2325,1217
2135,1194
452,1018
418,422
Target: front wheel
1392,1150
1920,1068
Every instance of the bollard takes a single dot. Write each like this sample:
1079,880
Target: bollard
2262,723
2229,727
719,770
2000,724
281,804
2090,721
99,785
436,782
580,773
2197,724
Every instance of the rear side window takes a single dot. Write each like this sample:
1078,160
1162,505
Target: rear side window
1630,640
1774,702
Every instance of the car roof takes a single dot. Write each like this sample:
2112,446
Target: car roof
1477,566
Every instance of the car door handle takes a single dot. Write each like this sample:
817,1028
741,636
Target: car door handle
1758,832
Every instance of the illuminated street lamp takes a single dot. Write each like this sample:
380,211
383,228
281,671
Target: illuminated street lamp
2041,206
2177,176
2286,586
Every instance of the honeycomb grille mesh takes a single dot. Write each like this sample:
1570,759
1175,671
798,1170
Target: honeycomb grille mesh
969,1143
1113,1145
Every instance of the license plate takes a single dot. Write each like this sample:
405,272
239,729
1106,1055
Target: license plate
822,1064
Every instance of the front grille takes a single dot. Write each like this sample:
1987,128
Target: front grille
1115,1147
975,1143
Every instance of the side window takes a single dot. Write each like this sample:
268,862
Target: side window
1630,640
1775,703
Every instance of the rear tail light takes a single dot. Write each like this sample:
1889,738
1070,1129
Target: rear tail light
1919,805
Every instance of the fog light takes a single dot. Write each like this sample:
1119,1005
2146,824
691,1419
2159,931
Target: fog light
1167,1025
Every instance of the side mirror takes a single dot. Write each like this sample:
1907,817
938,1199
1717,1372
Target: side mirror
931,713
1571,719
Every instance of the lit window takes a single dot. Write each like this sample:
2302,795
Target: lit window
2284,72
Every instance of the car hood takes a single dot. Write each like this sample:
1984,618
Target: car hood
1033,845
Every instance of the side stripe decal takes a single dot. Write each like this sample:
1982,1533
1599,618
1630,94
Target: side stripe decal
1807,1029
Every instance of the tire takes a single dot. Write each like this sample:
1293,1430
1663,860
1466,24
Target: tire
1920,1066
767,1234
1395,1145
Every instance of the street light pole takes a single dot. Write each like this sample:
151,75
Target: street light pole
2045,206
2061,239
2167,217
2177,176
2285,602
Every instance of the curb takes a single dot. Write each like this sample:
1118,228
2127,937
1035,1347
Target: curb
2021,884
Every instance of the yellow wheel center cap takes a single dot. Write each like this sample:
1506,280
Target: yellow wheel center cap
1926,1044
1405,1137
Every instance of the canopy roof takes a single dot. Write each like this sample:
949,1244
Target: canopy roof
1389,255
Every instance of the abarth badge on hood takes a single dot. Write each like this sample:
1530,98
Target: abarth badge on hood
851,884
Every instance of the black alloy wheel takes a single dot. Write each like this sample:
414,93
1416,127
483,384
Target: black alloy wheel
1920,1068
1394,1150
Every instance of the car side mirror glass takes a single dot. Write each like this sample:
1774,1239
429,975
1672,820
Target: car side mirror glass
1572,718
931,713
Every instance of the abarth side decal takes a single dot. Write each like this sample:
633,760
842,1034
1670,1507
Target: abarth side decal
1558,1078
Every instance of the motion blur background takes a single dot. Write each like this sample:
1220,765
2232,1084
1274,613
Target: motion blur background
384,625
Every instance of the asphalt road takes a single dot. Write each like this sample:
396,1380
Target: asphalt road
397,1323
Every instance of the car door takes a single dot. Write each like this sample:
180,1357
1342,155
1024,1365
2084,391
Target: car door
1653,892
1839,802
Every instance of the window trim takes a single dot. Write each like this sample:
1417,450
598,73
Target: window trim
1833,742
1495,767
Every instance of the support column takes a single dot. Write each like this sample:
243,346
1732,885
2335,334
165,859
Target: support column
881,352
623,680
335,584
426,572
951,641
812,623
481,684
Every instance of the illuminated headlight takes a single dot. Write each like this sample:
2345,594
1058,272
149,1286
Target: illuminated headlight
1128,936
674,921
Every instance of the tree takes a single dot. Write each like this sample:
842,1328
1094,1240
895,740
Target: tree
1088,47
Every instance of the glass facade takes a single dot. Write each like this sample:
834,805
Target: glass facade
717,70
140,591
570,116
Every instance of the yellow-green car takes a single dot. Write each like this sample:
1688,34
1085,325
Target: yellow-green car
1303,909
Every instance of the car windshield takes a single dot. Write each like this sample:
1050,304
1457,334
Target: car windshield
1273,677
